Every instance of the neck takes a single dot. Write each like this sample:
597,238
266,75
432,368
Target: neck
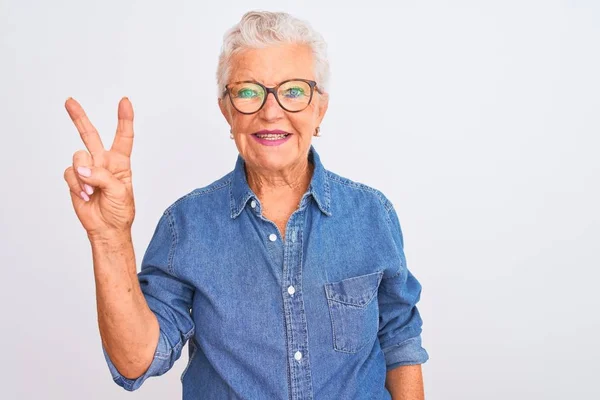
277,184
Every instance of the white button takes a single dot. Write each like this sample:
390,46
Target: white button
291,290
272,237
298,356
253,204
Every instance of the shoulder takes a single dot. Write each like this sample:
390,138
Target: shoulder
348,190
214,193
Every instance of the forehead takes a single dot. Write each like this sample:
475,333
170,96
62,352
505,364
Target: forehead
273,64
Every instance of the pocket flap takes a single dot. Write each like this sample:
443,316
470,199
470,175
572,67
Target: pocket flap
356,290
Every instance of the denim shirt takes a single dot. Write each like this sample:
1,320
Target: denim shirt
322,313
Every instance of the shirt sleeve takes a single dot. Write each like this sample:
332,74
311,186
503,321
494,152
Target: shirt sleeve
400,323
168,297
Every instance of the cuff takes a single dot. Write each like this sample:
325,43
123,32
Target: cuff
159,366
409,352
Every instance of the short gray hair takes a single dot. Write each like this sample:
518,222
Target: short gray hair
259,29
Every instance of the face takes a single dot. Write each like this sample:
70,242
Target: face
270,66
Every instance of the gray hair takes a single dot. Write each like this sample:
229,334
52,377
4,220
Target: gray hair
259,29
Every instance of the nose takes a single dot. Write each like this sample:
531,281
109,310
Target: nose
271,110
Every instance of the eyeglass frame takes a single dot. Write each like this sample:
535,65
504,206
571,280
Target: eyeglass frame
313,86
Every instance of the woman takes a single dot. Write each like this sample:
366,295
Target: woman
288,280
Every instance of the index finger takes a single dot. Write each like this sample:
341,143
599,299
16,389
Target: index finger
88,133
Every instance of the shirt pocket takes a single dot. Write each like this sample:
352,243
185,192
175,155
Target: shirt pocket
354,311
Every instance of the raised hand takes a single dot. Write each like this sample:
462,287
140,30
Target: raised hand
100,180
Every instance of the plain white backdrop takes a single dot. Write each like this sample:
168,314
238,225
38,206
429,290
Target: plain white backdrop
478,119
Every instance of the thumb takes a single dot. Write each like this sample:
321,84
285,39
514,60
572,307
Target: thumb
101,178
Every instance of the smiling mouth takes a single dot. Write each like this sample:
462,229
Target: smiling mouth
277,135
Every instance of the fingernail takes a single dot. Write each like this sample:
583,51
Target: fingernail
83,171
84,196
88,189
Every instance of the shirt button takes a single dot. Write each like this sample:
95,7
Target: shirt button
298,356
291,290
253,204
272,237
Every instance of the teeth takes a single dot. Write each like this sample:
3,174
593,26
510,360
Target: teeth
272,137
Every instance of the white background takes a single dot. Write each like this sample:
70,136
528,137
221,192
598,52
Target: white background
479,120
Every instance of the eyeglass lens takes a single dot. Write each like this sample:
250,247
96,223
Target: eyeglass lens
248,97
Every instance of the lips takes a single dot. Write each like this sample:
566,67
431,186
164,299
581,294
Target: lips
271,138
271,134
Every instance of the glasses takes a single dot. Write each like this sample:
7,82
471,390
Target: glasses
293,95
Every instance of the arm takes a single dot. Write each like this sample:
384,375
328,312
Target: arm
128,328
144,320
401,323
405,383
169,299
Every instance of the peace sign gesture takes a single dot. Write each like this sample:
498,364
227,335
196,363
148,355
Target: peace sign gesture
100,180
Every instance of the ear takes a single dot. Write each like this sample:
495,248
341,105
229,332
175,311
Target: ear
323,105
224,107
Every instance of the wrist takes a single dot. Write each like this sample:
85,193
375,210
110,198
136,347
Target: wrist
109,238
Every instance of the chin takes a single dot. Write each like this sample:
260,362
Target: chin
274,158
276,162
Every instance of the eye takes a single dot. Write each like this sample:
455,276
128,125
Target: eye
246,93
293,92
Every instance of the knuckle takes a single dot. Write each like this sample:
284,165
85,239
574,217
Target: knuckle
67,173
80,155
88,133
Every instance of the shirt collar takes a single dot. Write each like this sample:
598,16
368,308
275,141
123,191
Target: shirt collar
240,192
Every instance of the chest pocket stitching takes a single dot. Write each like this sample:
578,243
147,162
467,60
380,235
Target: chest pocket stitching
354,315
349,291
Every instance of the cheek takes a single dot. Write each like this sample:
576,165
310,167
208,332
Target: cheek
305,122
302,128
241,123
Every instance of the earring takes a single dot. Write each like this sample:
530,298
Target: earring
230,134
317,131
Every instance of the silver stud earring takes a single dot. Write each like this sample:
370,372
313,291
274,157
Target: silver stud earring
230,134
317,131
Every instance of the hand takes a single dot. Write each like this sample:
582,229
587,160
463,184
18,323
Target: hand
99,180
